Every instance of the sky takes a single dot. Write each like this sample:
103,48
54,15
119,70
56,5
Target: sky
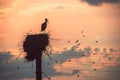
99,19
87,21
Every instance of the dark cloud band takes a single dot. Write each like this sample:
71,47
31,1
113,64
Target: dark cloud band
99,2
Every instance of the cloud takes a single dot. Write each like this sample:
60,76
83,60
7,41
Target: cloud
87,50
2,14
17,70
100,2
5,8
112,50
59,7
97,50
104,50
5,56
75,72
5,3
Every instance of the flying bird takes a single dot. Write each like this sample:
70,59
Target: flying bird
83,35
82,31
96,41
76,41
68,41
44,25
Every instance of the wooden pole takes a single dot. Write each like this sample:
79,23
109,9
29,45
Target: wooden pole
38,66
33,46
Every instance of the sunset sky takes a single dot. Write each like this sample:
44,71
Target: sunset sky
99,19
95,24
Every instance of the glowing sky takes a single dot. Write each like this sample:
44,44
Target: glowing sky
99,19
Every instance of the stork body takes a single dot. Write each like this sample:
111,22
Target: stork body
44,25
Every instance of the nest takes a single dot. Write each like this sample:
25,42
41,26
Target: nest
33,45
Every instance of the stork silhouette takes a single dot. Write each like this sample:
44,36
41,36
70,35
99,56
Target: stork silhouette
44,25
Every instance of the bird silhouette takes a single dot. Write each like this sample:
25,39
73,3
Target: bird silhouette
76,41
44,25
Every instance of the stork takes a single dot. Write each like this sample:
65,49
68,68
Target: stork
44,25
